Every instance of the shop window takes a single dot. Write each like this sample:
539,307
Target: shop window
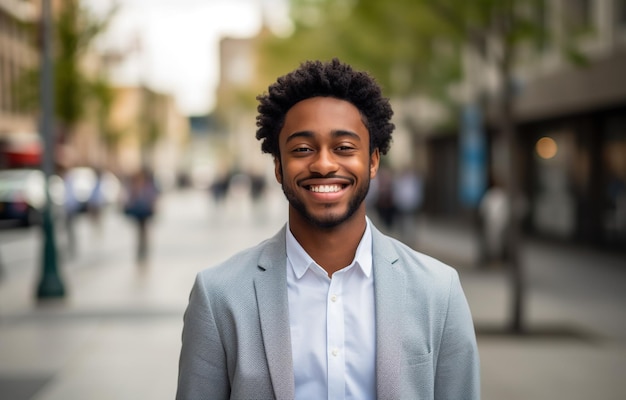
539,15
620,18
620,14
579,15
554,202
614,165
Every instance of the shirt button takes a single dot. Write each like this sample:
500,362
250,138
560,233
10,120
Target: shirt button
335,352
333,298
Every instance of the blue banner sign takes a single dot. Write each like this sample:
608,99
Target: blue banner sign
473,157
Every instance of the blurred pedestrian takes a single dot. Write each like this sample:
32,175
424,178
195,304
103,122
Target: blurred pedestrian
257,186
407,198
384,203
97,199
142,194
329,307
495,216
71,208
219,187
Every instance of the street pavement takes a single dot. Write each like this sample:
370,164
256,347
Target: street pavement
116,333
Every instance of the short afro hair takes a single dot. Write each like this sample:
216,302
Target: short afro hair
324,79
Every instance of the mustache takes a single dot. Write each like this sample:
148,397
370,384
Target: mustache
328,176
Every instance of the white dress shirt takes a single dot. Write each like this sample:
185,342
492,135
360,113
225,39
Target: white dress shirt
332,325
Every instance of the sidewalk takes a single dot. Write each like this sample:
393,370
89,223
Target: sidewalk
575,341
117,334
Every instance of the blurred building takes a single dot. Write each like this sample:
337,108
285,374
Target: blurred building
19,141
150,130
144,126
240,81
570,122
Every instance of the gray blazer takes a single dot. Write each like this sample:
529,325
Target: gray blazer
236,340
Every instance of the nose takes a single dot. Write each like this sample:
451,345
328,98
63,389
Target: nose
324,163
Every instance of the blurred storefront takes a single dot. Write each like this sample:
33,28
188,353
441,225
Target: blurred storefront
576,176
572,127
571,131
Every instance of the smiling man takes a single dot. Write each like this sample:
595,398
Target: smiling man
328,308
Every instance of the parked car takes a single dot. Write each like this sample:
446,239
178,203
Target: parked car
23,195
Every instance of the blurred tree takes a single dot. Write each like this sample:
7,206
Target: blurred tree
497,31
75,30
417,46
398,42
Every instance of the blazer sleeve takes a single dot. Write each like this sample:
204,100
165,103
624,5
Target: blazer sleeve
202,372
458,368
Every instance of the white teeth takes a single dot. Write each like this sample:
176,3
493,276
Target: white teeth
326,188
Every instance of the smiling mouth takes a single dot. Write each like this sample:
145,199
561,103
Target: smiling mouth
325,188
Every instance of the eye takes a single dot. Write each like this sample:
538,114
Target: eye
301,149
345,148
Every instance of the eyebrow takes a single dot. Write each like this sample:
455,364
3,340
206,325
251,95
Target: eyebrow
335,134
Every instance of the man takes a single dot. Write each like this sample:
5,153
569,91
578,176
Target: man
328,308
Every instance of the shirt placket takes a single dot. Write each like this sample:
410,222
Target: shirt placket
336,338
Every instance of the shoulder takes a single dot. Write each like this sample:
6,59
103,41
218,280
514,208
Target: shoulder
238,265
241,268
416,267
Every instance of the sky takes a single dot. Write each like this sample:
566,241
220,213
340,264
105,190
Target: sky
173,45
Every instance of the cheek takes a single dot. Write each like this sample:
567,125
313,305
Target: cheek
366,167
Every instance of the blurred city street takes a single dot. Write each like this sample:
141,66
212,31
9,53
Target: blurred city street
116,334
108,107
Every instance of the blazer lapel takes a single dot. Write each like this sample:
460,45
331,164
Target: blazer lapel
389,293
271,293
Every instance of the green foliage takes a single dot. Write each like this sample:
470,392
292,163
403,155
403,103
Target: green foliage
398,41
409,45
26,91
75,29
394,40
101,91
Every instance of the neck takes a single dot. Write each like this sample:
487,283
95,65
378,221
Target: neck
331,248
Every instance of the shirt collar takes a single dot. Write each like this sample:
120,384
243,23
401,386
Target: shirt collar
301,261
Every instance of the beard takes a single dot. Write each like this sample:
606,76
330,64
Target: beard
330,220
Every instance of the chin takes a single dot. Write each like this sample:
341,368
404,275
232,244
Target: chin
329,220
326,223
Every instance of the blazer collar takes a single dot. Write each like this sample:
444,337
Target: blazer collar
389,294
271,294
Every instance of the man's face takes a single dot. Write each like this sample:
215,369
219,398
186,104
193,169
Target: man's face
325,166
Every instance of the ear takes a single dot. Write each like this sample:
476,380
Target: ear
374,163
278,171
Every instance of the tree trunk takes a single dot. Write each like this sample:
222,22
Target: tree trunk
514,236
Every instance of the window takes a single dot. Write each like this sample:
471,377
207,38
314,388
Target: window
620,14
579,15
614,166
540,18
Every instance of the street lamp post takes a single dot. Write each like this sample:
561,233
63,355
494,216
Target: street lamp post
50,284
